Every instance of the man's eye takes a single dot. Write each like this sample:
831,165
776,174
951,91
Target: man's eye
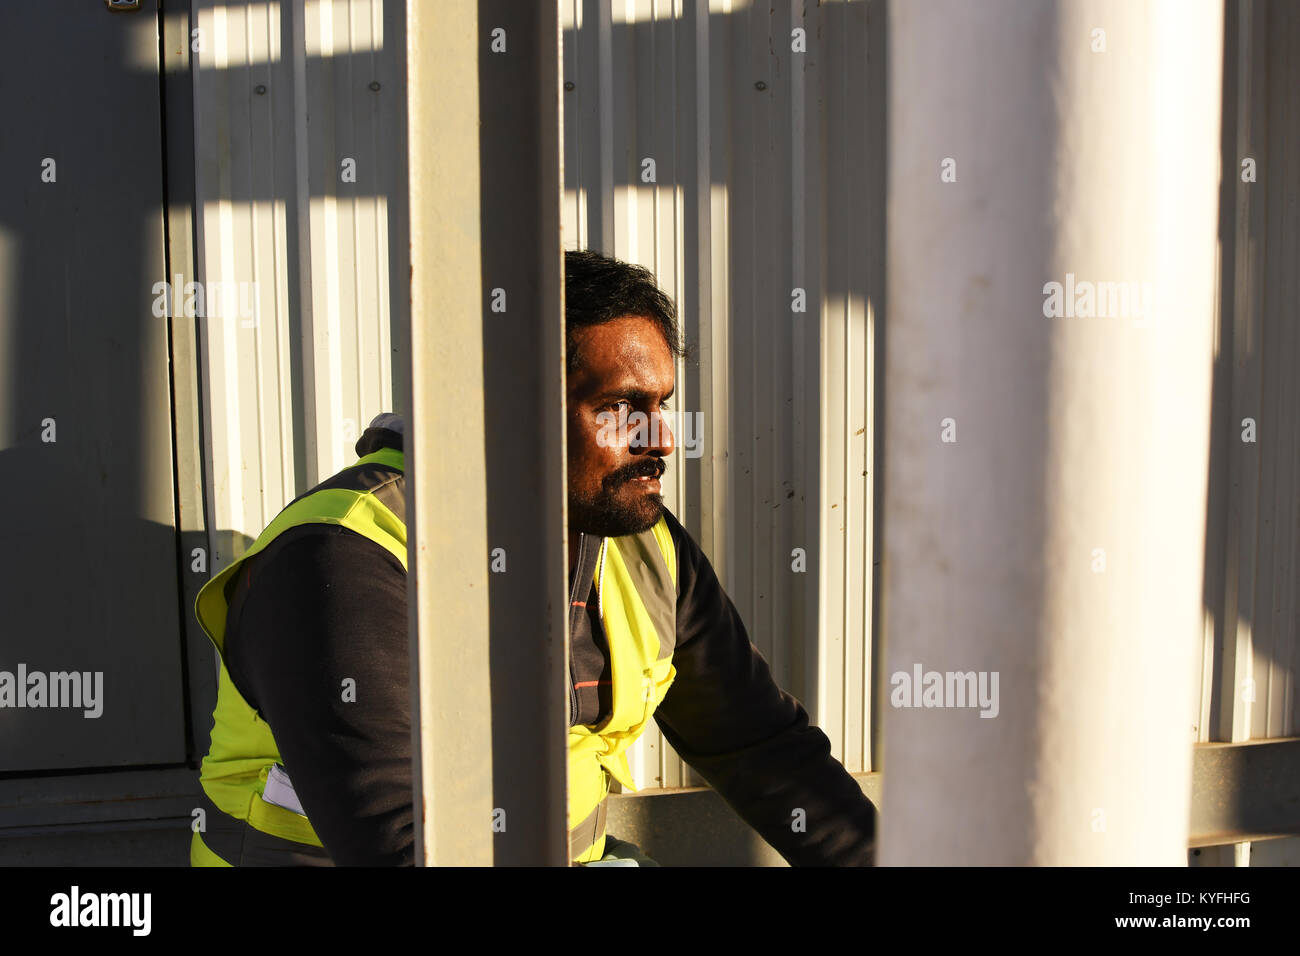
663,406
615,406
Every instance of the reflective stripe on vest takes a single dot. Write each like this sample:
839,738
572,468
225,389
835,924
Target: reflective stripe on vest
636,594
366,498
224,841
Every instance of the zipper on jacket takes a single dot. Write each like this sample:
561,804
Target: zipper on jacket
573,596
573,697
600,578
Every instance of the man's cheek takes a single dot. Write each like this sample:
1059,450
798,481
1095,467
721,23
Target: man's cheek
607,430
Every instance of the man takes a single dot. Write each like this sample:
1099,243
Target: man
299,772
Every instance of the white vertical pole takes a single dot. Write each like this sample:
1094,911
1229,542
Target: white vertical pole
445,455
1045,475
486,459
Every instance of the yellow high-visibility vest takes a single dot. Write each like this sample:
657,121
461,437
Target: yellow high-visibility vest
636,594
637,598
367,498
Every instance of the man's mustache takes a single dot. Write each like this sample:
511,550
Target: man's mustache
649,469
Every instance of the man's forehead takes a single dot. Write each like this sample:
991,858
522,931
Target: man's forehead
625,353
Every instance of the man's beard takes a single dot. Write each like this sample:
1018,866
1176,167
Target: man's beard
605,515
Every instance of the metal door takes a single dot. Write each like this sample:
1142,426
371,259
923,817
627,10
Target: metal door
88,548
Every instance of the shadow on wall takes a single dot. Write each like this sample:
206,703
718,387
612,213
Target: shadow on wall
1251,530
90,575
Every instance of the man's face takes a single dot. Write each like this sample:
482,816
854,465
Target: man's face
617,438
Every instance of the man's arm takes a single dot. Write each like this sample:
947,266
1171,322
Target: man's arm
324,605
752,742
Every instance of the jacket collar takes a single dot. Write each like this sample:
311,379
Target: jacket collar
385,431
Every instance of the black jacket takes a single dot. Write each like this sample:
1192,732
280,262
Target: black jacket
322,604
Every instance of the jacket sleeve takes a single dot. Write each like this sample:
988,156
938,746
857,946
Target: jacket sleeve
727,718
325,607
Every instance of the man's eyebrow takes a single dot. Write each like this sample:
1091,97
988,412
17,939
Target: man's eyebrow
634,392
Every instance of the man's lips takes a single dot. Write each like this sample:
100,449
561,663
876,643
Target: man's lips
651,475
647,482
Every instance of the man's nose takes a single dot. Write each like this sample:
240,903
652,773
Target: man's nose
654,437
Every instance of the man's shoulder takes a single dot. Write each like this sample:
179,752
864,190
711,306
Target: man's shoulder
322,550
385,480
363,476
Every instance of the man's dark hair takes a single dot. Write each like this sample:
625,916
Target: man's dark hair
599,289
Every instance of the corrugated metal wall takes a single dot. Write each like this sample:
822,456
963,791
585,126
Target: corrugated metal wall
1252,643
1251,647
300,161
736,150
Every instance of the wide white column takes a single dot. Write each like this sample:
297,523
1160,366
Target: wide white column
485,436
1046,474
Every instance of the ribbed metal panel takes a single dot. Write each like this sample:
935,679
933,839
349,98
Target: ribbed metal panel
768,177
290,99
1252,646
